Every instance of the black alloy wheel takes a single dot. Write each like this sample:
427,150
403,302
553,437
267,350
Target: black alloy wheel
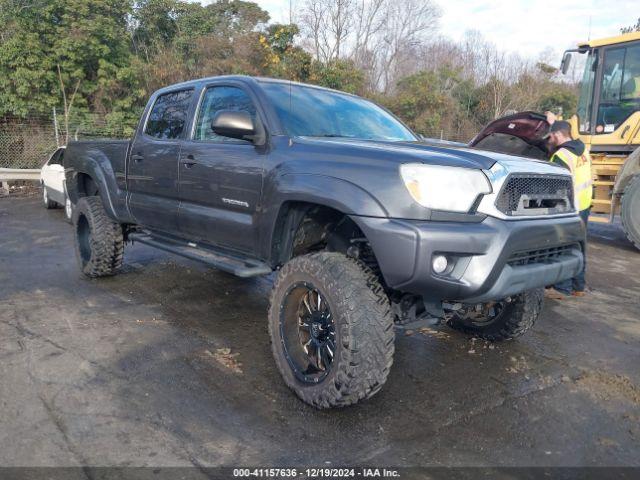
308,332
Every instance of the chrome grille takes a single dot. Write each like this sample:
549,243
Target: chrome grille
541,255
536,194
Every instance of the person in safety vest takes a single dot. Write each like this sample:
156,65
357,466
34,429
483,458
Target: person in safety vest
631,89
572,155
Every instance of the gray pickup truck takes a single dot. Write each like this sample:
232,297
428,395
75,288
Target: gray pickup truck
366,225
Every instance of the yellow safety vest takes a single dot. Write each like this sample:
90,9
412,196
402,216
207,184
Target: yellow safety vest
580,166
631,90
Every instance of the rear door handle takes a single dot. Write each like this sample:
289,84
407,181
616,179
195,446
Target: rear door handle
189,162
137,158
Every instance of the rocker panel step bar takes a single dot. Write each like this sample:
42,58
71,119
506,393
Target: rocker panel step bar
241,267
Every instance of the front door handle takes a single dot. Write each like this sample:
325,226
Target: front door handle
137,158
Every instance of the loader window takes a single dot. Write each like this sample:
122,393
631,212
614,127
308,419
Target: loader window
585,101
620,94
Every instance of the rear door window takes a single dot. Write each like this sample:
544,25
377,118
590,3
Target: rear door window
169,115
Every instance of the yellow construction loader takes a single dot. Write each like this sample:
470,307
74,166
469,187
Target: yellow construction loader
607,121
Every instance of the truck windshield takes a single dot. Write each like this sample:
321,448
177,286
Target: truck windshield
313,112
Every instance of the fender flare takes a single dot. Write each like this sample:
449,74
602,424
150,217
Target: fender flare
333,192
314,189
97,166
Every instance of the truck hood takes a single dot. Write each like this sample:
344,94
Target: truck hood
402,152
521,134
372,168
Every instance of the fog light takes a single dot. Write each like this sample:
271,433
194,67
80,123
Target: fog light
439,263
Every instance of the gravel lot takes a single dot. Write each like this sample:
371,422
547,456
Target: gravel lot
169,364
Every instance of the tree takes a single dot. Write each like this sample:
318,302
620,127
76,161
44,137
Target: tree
423,99
154,26
53,48
215,39
282,58
327,24
98,60
632,28
407,22
338,74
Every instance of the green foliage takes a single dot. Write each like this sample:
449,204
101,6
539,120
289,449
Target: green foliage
86,40
114,53
155,25
428,99
338,74
632,28
561,97
282,59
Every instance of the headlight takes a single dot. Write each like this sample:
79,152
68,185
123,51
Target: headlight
452,189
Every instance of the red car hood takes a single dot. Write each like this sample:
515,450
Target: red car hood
519,134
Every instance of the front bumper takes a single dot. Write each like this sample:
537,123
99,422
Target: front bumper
488,260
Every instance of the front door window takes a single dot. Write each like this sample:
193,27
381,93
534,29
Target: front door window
215,100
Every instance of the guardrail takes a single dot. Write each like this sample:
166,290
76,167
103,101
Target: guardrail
9,174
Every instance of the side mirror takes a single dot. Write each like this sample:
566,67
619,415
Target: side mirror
566,63
233,124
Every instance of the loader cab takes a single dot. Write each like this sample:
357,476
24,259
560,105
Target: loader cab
608,111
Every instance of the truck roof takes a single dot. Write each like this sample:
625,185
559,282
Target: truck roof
625,37
248,79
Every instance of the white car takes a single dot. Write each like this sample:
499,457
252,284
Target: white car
54,192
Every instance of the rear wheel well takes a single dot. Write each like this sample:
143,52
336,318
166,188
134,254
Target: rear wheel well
87,187
303,228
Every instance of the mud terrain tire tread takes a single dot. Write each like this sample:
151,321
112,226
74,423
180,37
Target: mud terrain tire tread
523,313
364,319
631,223
107,240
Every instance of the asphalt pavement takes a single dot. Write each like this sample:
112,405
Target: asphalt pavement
169,364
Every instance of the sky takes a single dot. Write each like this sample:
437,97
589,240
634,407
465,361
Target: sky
527,27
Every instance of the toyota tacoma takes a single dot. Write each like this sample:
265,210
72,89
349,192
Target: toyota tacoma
367,226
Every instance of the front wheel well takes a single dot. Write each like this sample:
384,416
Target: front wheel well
303,228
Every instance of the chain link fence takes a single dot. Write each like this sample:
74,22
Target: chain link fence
463,135
28,143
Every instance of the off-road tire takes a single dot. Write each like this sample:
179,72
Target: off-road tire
363,323
517,317
48,203
100,249
630,211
